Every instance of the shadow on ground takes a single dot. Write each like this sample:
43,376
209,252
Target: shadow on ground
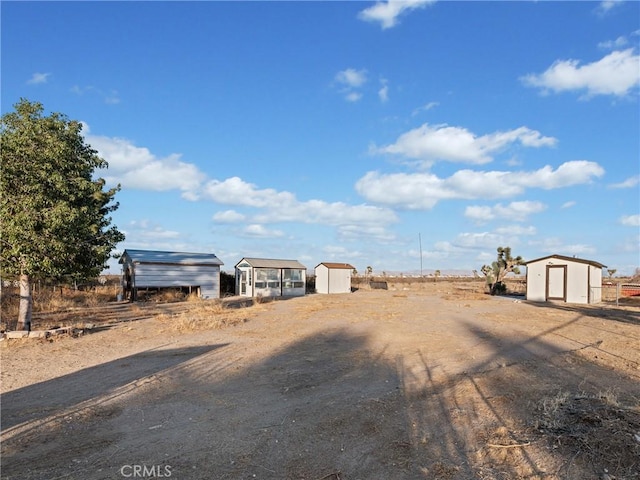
604,311
49,398
327,406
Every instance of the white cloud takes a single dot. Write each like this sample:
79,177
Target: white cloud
387,13
575,172
353,96
110,98
143,230
613,44
481,213
285,207
260,231
628,183
137,167
38,78
228,216
479,240
516,230
351,77
365,233
424,108
423,190
383,93
606,5
568,204
350,81
429,143
630,220
235,191
159,232
555,245
614,74
516,211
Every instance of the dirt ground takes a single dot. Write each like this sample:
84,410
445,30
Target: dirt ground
430,382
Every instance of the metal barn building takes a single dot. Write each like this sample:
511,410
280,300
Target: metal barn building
264,277
565,279
148,269
333,277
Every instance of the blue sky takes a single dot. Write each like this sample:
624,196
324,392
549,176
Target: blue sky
351,131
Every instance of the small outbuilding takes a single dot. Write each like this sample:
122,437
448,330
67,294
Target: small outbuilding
565,279
333,277
150,269
266,277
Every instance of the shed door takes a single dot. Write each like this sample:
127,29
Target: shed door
557,282
243,282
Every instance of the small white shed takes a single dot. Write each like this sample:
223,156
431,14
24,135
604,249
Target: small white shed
566,279
266,277
150,269
333,277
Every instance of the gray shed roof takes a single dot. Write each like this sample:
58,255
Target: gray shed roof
568,259
271,263
180,258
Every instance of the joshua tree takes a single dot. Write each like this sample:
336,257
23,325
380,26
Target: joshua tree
499,269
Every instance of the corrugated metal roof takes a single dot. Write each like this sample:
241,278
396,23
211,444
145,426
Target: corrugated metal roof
344,266
568,259
271,263
181,258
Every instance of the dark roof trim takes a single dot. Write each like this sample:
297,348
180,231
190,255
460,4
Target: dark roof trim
568,259
335,265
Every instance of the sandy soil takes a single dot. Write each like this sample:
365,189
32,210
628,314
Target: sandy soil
436,382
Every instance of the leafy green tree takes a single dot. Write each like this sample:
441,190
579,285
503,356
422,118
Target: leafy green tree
498,270
436,274
54,215
611,272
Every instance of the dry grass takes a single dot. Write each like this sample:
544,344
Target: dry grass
59,299
595,430
206,315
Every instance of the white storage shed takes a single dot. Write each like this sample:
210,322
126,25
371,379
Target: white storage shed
333,277
266,277
149,269
565,279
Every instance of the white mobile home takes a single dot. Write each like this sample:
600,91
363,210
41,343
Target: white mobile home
333,277
565,279
148,269
265,277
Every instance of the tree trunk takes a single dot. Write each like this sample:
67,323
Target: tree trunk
26,302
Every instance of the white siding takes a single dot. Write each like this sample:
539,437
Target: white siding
322,279
577,288
332,280
554,278
536,282
207,277
154,269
